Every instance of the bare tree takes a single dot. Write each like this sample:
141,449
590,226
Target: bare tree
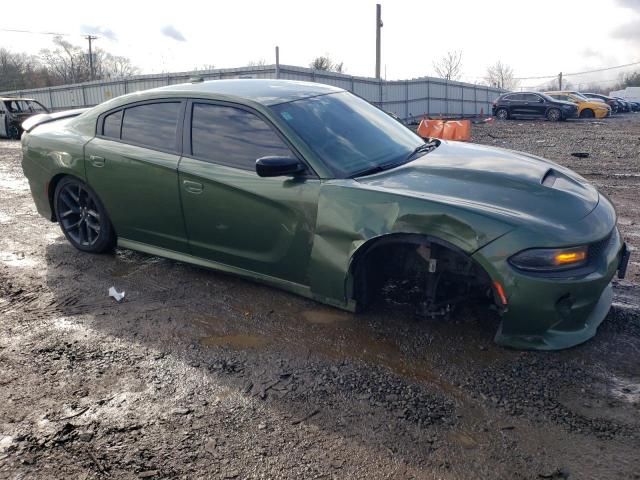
206,66
501,76
631,79
257,63
325,63
65,61
450,66
113,66
69,63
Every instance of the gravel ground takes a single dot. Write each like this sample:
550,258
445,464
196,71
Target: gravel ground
203,375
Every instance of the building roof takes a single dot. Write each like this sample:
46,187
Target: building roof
265,91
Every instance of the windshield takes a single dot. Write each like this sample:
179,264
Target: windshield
579,95
349,134
546,97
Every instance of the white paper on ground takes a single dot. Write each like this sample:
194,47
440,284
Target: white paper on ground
119,296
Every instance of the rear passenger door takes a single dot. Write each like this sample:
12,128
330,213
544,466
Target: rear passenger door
132,164
515,104
537,105
233,216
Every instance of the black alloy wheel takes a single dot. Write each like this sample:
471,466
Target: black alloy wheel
83,219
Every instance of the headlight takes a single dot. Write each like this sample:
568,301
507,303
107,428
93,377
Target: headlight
550,259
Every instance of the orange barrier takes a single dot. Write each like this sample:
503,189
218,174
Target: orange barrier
445,129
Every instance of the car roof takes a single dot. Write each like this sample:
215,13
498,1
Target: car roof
6,99
264,91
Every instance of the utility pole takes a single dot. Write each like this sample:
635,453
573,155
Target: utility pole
560,81
277,62
378,27
90,38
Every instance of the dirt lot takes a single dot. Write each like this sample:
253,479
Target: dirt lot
202,375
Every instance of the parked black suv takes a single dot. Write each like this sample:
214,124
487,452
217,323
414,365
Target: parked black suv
612,102
532,105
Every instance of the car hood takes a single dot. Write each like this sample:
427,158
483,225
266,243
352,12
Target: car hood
565,103
515,186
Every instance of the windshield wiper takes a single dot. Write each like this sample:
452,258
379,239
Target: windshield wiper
375,169
424,148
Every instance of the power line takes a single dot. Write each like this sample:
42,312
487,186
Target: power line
544,77
604,69
14,30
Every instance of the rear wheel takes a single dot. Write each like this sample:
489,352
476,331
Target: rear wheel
587,113
13,132
502,114
83,219
553,115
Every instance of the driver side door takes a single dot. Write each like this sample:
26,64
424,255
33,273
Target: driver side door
232,215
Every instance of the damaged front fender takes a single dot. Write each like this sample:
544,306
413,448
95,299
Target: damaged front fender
349,216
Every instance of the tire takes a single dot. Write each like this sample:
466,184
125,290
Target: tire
587,113
82,217
13,132
502,114
554,115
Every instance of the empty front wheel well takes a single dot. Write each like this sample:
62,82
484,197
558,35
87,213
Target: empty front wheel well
426,271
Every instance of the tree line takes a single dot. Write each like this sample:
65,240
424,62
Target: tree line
68,63
448,67
63,64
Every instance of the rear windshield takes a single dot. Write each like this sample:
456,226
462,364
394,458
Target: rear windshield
348,134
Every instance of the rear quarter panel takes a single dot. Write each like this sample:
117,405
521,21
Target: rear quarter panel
49,152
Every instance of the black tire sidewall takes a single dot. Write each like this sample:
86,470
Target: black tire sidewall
550,117
13,132
107,238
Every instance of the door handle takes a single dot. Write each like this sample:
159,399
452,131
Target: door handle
96,161
192,187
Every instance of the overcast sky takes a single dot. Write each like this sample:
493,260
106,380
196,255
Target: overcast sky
536,39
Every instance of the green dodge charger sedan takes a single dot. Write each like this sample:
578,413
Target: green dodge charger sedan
309,188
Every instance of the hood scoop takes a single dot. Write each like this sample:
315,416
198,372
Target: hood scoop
560,181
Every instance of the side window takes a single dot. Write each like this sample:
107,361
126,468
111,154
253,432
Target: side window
232,136
111,126
153,125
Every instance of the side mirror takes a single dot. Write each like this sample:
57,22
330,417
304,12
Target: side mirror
540,100
278,166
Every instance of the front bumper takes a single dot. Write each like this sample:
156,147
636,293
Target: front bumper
569,113
552,313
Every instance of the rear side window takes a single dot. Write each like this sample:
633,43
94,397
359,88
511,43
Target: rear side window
153,125
111,126
232,136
